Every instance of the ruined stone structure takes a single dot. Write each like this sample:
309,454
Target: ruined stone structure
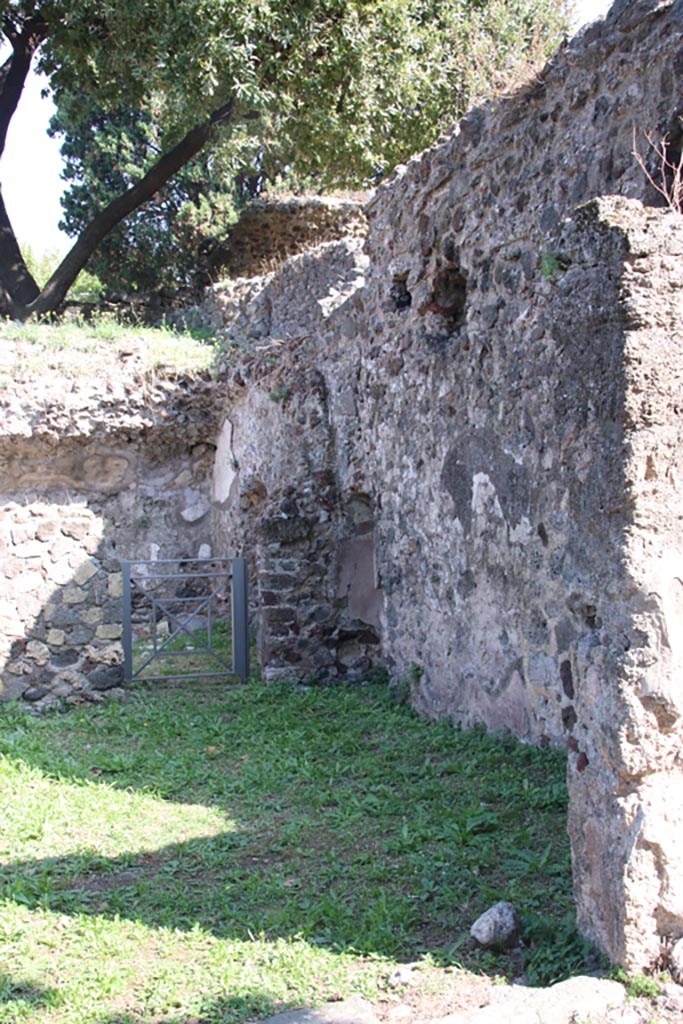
92,470
454,452
269,230
468,469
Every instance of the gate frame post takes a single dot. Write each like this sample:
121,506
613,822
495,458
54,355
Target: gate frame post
240,618
127,634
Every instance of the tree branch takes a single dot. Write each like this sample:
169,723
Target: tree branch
25,41
102,223
16,280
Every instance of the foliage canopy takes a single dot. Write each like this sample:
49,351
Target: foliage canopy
330,91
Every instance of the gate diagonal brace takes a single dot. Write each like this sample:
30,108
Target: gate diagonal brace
232,588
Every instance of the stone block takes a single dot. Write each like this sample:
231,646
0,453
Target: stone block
23,532
92,544
84,572
196,512
109,631
61,689
115,584
112,611
46,529
79,635
280,615
184,478
71,677
28,549
18,667
75,528
73,595
60,547
38,652
10,568
65,658
12,687
289,530
104,654
30,581
105,677
56,637
60,614
35,693
92,616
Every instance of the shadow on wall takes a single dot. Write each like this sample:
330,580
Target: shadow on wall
61,583
61,612
69,514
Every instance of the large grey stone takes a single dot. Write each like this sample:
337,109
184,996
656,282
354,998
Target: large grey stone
498,927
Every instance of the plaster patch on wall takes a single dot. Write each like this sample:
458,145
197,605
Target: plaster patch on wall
357,580
225,473
484,498
476,469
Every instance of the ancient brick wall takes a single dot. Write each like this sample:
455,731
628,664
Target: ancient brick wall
92,471
499,413
275,492
270,230
456,454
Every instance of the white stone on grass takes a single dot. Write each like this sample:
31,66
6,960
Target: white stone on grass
497,928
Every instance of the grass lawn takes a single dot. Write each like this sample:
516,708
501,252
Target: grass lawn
93,348
221,852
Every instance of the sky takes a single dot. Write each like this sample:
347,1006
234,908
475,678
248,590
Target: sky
31,164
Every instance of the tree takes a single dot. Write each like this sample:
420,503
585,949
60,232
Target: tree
333,89
168,242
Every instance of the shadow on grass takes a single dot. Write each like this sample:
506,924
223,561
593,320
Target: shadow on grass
16,990
357,826
224,886
226,1011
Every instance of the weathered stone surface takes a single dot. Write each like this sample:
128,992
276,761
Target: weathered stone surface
60,577
484,403
348,1011
578,999
501,394
106,677
498,927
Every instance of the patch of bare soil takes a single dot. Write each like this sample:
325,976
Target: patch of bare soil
420,996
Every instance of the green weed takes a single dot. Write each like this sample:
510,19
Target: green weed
224,851
553,265
637,985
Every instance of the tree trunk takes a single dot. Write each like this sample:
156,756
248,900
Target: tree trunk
17,286
54,292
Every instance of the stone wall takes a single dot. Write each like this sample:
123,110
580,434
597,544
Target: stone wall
626,769
270,230
493,414
60,604
93,470
454,454
275,489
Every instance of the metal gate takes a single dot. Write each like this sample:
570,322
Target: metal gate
185,619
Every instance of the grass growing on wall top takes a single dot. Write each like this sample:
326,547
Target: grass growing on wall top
85,348
221,853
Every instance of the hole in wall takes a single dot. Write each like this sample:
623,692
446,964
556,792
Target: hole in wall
449,297
674,155
399,294
360,516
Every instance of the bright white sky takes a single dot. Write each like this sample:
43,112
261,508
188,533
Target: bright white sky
31,164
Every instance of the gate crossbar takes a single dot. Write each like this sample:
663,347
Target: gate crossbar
234,573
